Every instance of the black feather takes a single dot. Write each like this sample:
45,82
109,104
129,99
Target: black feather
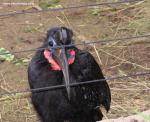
54,105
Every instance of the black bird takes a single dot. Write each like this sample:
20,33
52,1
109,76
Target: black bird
56,66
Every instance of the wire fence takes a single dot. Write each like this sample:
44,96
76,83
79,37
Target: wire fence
68,8
15,94
83,43
44,89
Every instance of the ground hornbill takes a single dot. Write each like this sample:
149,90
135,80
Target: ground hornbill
55,66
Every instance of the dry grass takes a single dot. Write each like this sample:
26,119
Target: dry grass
116,58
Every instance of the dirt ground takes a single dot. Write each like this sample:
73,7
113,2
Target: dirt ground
26,31
141,117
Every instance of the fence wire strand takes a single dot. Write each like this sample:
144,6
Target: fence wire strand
78,44
56,87
68,8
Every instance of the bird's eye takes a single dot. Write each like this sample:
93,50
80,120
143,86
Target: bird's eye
51,43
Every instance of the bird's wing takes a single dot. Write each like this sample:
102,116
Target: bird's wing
90,70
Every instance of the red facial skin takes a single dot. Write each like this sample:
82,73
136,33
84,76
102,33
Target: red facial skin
54,64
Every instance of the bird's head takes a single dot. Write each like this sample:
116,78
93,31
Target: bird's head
60,58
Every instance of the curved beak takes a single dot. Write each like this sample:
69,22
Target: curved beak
61,58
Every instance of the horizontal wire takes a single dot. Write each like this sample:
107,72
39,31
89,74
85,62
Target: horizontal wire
83,43
44,89
69,7
129,89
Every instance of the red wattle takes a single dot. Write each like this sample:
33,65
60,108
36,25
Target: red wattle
72,57
54,65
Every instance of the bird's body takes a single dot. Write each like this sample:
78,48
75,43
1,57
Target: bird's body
55,105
